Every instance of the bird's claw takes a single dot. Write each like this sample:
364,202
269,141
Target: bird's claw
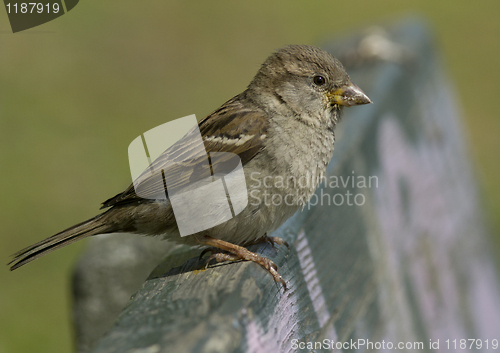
237,252
211,250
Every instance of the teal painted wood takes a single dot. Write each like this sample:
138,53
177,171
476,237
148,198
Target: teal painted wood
411,264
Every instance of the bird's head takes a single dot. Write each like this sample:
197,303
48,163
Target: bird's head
308,83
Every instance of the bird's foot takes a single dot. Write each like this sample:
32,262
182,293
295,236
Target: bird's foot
221,257
237,252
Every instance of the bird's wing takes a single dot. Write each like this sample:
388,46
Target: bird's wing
231,128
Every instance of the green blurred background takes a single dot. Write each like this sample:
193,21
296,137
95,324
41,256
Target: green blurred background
76,91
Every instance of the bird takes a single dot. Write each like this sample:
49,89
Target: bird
281,127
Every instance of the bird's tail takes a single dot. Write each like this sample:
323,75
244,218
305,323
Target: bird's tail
93,226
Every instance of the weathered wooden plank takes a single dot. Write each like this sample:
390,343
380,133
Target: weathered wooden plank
411,264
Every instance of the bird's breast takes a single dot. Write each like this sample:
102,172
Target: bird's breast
295,157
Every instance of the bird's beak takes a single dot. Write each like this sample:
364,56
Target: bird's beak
348,95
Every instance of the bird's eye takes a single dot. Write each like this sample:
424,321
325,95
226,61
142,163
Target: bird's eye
319,80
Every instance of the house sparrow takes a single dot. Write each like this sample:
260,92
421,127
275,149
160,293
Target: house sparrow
281,126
